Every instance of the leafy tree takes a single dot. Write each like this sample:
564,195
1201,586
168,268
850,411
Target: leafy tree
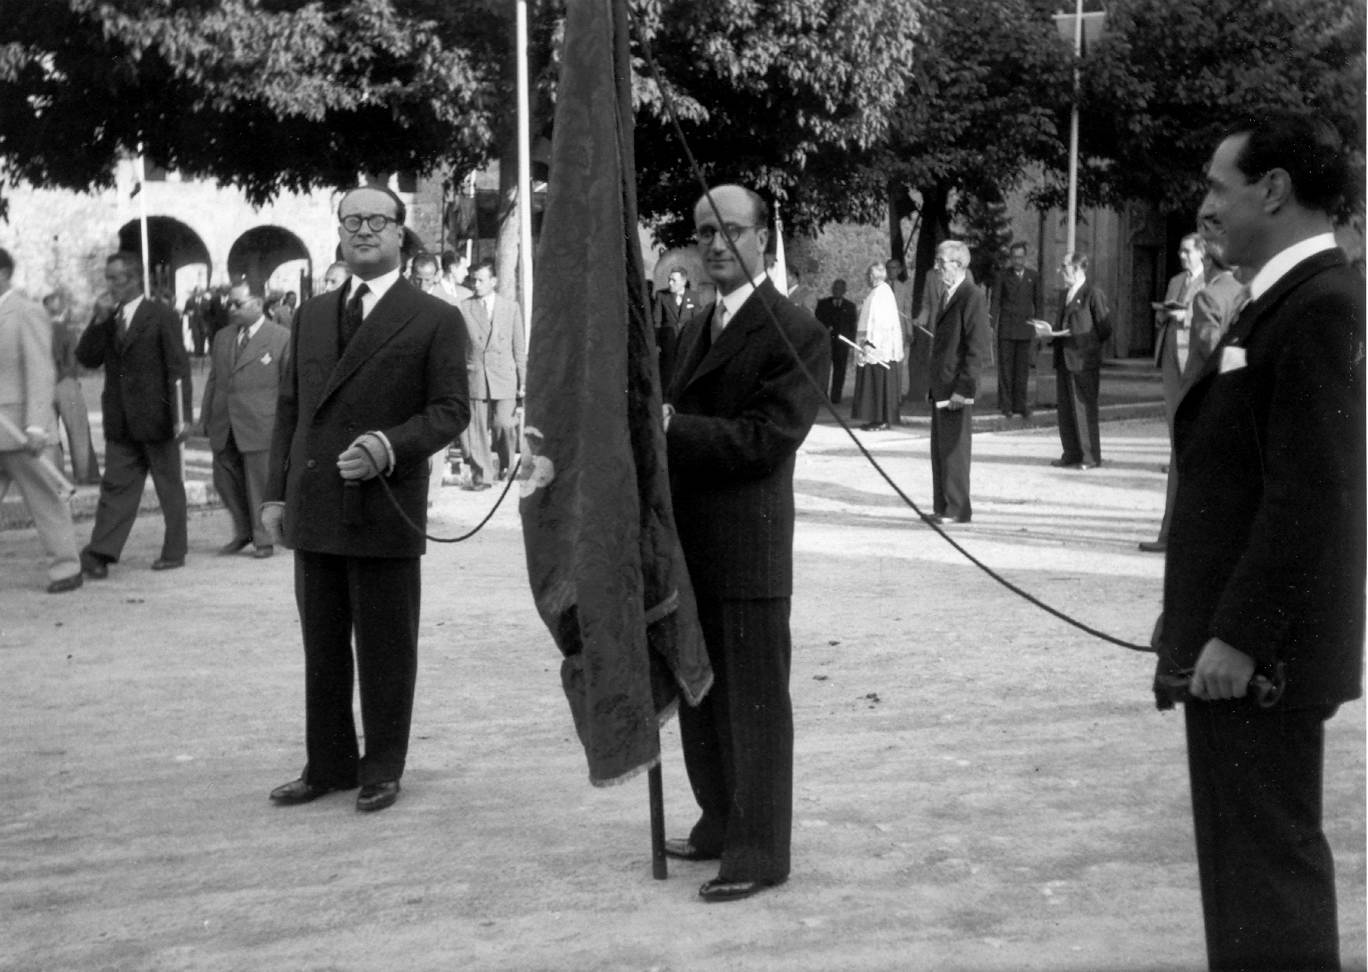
988,101
262,95
781,95
1168,79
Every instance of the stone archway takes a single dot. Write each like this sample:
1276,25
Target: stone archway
270,257
177,259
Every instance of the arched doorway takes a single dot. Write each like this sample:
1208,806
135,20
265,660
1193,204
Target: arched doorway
270,258
177,259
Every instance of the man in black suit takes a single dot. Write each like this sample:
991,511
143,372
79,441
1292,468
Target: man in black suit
737,411
1264,571
672,308
1016,301
138,343
375,385
1085,323
959,348
839,316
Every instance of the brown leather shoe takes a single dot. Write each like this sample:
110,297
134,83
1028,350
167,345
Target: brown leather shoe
722,889
377,796
681,848
295,792
64,584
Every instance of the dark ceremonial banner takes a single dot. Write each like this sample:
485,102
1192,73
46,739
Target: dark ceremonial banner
603,558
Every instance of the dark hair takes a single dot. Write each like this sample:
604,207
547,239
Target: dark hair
449,260
483,264
1305,147
1018,245
426,259
1075,259
399,210
6,261
131,262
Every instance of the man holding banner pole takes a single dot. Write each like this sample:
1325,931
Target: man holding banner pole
739,406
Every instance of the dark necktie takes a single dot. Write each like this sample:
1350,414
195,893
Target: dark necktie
243,333
352,315
719,321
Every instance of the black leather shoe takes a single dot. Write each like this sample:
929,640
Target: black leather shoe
377,796
722,889
94,566
935,518
1090,465
234,545
476,487
1153,546
1065,463
261,553
296,792
166,563
683,849
64,584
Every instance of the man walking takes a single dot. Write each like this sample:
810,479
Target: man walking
1264,572
839,316
373,387
737,411
247,362
496,367
27,426
959,348
70,402
1016,301
138,342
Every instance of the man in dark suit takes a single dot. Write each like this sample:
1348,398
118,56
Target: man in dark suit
1084,324
375,385
1016,301
672,308
839,317
959,348
1264,572
138,343
247,362
737,411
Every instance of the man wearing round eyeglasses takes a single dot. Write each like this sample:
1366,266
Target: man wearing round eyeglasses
738,407
376,385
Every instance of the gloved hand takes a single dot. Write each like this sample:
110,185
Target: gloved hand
272,520
365,458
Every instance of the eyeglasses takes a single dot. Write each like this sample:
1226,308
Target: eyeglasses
731,232
942,264
374,221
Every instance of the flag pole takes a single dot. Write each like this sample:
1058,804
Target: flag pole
524,174
141,172
1073,131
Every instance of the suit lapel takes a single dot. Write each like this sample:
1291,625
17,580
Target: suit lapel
390,316
1255,311
141,320
749,318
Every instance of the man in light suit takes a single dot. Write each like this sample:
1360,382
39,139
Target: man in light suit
373,387
839,316
1171,320
671,310
1264,572
70,402
1016,301
735,414
26,388
959,348
247,362
1085,321
138,342
496,367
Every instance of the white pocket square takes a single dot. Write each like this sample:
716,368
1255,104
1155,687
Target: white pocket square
1232,358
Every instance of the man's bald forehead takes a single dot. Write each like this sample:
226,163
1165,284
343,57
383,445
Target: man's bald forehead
386,200
730,194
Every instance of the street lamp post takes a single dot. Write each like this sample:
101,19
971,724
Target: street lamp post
1072,26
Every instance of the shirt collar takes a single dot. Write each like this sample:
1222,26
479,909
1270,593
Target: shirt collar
378,285
255,326
1078,285
130,308
1278,267
741,294
950,291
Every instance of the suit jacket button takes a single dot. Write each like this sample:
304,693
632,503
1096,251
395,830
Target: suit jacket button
310,464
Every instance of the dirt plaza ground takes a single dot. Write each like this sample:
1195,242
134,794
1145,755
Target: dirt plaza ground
978,786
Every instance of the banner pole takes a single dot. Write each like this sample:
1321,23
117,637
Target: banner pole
660,868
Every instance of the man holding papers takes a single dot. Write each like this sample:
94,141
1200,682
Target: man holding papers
959,347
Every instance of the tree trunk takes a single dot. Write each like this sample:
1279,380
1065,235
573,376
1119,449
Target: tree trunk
934,229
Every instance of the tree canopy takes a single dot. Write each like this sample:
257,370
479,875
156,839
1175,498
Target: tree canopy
1168,79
